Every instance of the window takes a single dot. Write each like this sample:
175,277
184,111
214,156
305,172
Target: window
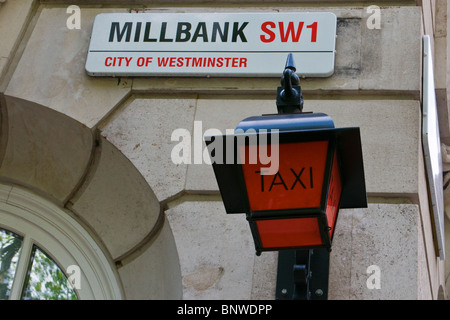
46,254
10,245
44,278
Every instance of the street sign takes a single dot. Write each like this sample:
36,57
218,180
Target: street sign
211,44
432,147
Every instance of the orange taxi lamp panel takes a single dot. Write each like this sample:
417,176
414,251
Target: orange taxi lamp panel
286,233
298,182
334,195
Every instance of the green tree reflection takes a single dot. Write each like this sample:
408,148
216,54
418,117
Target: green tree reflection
45,280
10,245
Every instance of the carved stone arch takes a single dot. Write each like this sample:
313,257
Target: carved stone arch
62,160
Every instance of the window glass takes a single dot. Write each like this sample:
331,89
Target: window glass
10,245
45,280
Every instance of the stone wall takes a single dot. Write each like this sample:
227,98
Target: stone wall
101,147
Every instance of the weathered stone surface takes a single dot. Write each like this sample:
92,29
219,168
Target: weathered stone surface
13,20
217,254
155,274
385,236
390,131
142,130
391,56
46,150
53,66
201,176
117,202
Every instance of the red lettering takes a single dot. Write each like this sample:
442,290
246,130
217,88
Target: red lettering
228,62
117,61
211,62
193,62
107,62
162,62
270,35
141,61
290,31
313,27
196,62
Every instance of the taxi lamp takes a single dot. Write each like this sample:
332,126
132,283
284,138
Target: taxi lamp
291,204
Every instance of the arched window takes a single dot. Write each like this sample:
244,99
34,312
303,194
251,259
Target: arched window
46,254
44,279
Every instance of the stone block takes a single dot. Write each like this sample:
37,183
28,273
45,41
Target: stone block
221,115
117,202
217,254
390,139
155,274
53,66
14,17
45,150
265,276
391,55
381,240
142,130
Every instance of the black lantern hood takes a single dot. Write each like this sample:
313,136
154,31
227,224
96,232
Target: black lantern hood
293,125
310,127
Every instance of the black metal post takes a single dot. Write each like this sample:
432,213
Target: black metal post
302,274
289,95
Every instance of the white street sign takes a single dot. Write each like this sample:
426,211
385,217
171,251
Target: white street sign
211,44
432,146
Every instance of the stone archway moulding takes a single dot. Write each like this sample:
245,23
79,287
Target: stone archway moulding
43,223
59,163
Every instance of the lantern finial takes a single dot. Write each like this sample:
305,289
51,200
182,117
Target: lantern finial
289,94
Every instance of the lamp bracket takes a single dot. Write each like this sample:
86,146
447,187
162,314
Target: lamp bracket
303,274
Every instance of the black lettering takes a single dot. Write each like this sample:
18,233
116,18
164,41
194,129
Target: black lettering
200,31
137,33
278,183
147,38
162,37
217,30
115,29
297,178
239,32
183,28
311,177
